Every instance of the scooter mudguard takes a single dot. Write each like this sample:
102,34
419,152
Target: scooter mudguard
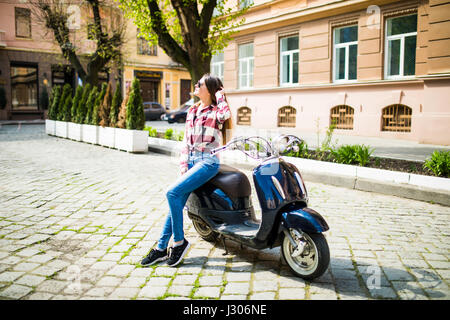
305,219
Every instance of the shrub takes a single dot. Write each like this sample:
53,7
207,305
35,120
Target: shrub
135,108
105,106
179,136
90,105
439,163
122,118
65,109
62,112
352,154
302,151
115,106
82,104
168,134
151,132
95,119
56,97
76,103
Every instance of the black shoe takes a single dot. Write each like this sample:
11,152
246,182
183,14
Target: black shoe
154,256
178,253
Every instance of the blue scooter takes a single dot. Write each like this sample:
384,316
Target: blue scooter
222,207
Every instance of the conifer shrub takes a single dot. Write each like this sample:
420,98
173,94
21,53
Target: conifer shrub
75,103
95,110
122,117
115,106
90,105
56,97
82,104
105,107
64,109
135,108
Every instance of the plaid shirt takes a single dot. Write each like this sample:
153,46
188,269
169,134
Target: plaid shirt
202,132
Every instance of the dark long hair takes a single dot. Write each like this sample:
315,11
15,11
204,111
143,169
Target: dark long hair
214,84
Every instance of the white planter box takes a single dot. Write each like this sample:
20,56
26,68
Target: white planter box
61,129
131,140
106,136
74,131
89,133
50,127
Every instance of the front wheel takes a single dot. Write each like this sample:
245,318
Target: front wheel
314,258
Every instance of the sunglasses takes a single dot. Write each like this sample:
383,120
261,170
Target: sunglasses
199,83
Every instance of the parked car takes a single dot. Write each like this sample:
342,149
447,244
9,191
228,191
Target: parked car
153,111
180,114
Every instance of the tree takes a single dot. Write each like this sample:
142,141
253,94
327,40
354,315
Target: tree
189,36
63,108
66,109
56,17
105,107
76,103
122,117
98,100
82,105
90,105
115,106
56,98
135,108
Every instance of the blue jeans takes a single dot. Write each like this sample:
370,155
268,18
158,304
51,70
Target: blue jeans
202,167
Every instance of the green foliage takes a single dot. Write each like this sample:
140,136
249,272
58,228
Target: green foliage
439,163
76,103
179,136
56,97
168,134
98,100
65,109
82,104
105,106
302,151
115,105
221,27
135,118
90,105
151,131
352,154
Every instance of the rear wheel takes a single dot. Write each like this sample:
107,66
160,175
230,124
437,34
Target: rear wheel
204,231
311,261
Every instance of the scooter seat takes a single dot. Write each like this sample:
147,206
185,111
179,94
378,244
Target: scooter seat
232,181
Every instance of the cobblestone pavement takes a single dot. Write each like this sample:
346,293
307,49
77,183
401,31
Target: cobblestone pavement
76,219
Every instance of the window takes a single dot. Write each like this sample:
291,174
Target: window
245,3
144,48
23,22
289,60
244,116
396,117
345,52
286,117
400,57
24,90
246,61
342,117
217,64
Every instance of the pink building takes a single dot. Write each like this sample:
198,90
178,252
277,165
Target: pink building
374,68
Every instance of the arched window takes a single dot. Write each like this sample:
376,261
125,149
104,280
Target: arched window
286,116
396,117
342,117
244,116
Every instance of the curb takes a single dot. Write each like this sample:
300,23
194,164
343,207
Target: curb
400,184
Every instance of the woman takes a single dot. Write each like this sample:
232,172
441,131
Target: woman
206,125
